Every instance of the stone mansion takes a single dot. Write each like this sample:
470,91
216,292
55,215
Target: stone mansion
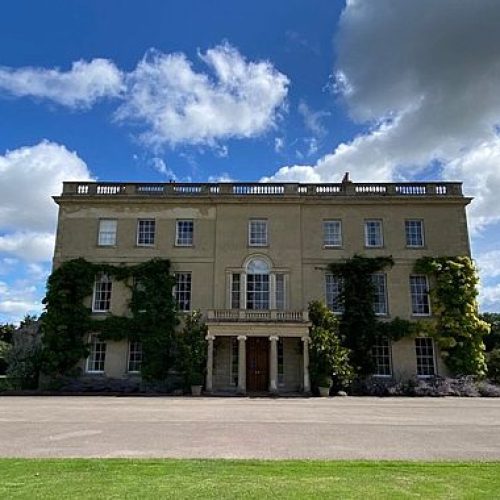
251,257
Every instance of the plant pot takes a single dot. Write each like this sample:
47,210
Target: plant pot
324,392
196,390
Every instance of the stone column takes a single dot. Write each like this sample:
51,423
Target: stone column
307,381
273,364
242,364
210,362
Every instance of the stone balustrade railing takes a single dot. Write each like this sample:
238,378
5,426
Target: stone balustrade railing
256,189
252,315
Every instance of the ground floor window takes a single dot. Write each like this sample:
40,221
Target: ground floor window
381,355
234,360
425,357
281,365
97,355
134,357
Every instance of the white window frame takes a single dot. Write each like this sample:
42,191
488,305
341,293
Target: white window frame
139,233
332,239
382,357
409,234
385,302
101,280
258,238
414,295
187,290
183,237
92,360
235,295
134,356
280,291
380,242
107,238
423,359
333,296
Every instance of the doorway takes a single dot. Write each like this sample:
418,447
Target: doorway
257,364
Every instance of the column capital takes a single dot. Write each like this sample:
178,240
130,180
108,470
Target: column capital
242,337
274,338
210,337
306,340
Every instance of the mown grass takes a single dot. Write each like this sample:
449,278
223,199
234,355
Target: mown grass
117,478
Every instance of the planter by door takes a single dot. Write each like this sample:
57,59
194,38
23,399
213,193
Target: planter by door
324,392
196,390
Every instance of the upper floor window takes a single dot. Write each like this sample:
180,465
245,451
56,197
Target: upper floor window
257,232
425,357
373,233
332,233
146,232
97,355
381,355
419,290
184,233
182,291
134,356
257,284
334,285
102,294
235,291
107,232
280,291
379,282
414,230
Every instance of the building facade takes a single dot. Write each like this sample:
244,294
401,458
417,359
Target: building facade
252,256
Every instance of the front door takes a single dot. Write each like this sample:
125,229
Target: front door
257,364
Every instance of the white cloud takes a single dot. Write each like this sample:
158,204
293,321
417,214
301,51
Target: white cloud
279,144
179,105
427,85
489,264
489,297
312,119
29,246
17,300
80,87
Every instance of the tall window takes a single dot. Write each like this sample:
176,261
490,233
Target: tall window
381,355
134,356
182,291
146,232
414,230
379,282
280,291
97,355
257,284
334,285
102,293
235,353
373,233
235,291
419,289
107,232
184,233
425,357
257,232
332,233
281,365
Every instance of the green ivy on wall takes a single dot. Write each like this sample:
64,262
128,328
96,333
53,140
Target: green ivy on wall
459,330
67,321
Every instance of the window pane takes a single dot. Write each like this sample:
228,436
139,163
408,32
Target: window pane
373,233
381,354
257,233
257,291
332,233
414,233
281,359
182,291
234,360
379,281
235,291
135,356
425,356
107,232
419,295
334,286
146,232
97,355
184,233
280,292
102,294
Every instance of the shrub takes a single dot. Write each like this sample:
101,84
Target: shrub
493,363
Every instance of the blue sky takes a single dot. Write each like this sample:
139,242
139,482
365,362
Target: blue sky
284,90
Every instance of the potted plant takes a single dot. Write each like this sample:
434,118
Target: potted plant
192,352
324,383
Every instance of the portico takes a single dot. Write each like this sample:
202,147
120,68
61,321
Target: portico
248,354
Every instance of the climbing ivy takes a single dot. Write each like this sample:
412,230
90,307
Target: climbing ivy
67,322
358,324
459,330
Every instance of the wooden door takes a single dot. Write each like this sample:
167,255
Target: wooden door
257,364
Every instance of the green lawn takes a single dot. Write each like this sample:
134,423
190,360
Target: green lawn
82,478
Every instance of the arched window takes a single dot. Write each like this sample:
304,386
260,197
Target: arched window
257,284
